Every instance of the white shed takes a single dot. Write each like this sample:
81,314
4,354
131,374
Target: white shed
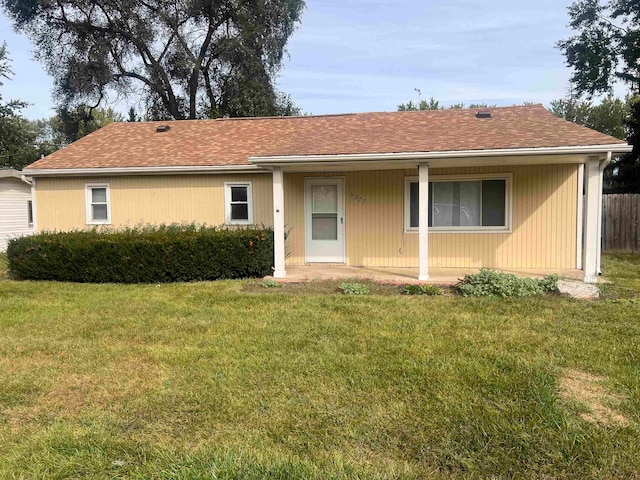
16,207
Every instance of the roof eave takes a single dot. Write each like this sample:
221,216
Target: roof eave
165,170
425,156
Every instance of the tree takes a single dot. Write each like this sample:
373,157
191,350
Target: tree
185,58
71,125
433,104
609,116
606,49
17,134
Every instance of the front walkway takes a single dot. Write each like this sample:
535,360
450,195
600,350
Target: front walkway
444,276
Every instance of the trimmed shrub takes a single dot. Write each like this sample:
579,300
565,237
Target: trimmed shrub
489,283
173,253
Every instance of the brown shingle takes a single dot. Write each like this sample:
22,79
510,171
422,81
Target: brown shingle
233,141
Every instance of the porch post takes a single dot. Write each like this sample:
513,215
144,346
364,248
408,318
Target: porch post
423,212
592,223
278,223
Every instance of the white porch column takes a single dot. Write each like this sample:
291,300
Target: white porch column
278,223
592,223
423,211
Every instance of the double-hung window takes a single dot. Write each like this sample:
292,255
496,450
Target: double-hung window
238,204
98,204
461,203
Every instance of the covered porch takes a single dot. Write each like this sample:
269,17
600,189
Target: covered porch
401,276
548,223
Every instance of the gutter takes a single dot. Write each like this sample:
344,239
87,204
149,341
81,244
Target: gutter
380,157
111,171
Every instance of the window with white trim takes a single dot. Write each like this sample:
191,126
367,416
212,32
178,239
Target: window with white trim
98,205
461,204
238,203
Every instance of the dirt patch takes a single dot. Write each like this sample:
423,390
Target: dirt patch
589,391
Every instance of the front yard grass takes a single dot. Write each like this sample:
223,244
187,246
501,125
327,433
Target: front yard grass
209,380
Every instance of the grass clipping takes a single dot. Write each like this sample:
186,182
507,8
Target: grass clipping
588,391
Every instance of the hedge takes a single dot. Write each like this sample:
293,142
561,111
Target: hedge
160,254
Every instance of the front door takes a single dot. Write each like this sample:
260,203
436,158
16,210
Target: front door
324,220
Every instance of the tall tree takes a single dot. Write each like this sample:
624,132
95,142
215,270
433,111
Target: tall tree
606,49
187,58
17,134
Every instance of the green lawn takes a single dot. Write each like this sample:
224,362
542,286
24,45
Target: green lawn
210,380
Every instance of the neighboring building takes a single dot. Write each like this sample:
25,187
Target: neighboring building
16,212
502,188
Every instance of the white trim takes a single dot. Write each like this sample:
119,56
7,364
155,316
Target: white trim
371,157
603,166
33,205
212,169
279,251
227,203
423,216
508,177
591,237
88,187
580,216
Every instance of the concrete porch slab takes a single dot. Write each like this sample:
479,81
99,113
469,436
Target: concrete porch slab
398,276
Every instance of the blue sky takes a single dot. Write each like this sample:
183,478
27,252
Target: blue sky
370,55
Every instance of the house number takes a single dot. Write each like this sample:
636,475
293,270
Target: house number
357,198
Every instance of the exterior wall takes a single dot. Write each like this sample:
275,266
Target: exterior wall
544,221
148,200
14,219
544,214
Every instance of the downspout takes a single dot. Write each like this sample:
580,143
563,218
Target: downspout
603,165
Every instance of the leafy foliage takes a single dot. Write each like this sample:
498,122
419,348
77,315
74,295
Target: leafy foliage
353,288
186,59
605,50
143,255
270,284
433,104
430,290
489,283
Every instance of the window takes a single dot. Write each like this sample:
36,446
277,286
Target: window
98,208
238,203
480,203
30,212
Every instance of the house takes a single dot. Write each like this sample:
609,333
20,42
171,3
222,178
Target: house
16,213
498,188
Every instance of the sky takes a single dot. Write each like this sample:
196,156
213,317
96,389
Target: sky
371,55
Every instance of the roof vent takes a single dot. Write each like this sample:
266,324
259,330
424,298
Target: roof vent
162,128
483,114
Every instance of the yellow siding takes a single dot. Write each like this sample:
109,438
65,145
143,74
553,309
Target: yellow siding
60,202
544,225
543,229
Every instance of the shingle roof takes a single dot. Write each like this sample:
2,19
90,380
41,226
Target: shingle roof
233,141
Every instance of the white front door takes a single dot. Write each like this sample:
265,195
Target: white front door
324,220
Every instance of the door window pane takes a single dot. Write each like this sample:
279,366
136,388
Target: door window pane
325,198
324,226
493,203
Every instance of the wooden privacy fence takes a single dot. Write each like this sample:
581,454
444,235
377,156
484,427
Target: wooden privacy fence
621,222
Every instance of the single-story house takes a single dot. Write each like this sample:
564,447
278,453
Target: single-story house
16,213
506,188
